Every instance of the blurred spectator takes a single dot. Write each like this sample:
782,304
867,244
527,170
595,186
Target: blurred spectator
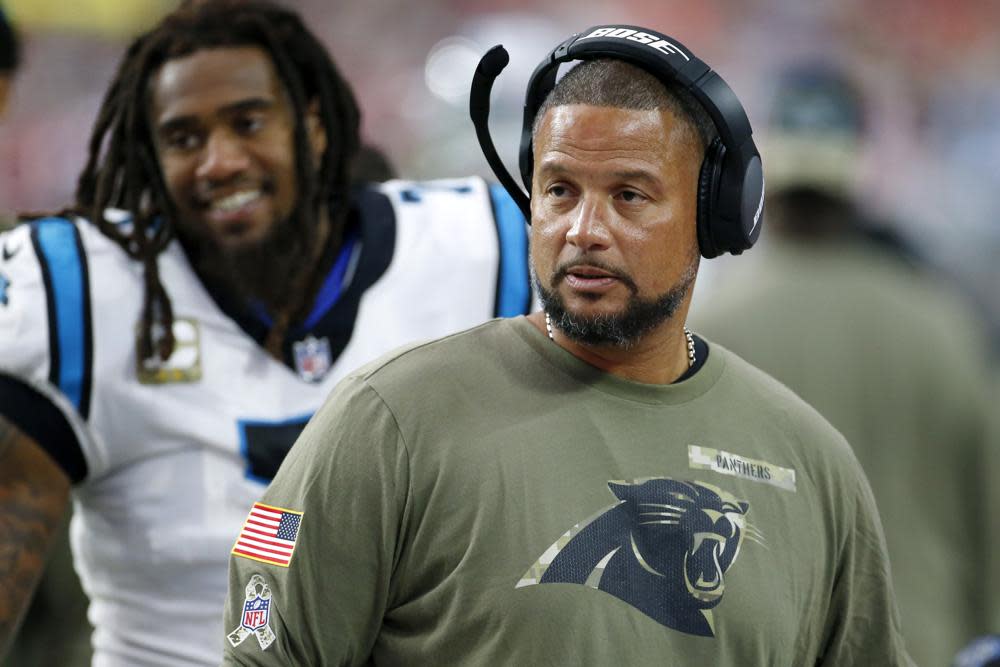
840,310
10,58
59,604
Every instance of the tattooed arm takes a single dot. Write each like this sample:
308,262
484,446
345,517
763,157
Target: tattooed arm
33,497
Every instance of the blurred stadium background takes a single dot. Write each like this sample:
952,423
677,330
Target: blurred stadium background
930,68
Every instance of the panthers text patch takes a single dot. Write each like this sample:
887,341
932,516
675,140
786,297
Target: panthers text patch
726,463
268,535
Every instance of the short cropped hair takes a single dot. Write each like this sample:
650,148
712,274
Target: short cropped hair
607,82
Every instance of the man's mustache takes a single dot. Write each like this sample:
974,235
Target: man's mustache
566,268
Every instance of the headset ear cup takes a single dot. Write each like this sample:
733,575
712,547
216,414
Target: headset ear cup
708,193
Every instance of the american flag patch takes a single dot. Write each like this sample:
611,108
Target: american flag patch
268,535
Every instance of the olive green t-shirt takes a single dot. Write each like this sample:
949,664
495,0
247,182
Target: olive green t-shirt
489,499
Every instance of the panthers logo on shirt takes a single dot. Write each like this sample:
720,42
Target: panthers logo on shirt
664,548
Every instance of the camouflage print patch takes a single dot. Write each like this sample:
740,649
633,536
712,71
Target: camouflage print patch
256,615
735,465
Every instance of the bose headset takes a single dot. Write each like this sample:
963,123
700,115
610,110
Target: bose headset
731,182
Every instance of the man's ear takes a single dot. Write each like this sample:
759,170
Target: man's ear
315,131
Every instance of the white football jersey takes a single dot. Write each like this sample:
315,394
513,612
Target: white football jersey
167,457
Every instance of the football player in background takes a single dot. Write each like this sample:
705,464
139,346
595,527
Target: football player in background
163,342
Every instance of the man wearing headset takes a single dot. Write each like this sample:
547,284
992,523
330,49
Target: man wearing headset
592,484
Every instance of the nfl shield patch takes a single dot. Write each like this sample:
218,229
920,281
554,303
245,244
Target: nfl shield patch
256,615
312,358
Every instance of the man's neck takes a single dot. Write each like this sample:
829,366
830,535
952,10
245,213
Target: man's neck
659,357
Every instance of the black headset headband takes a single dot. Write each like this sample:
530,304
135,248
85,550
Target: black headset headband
737,196
658,54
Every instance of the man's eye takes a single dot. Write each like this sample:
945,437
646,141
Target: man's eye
558,191
630,196
249,124
183,141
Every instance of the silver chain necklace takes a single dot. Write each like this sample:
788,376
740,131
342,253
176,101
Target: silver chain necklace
687,335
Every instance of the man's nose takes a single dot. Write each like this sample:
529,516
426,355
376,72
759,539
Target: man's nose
222,158
589,228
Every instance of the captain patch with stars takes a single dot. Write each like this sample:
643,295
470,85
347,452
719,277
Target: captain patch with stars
665,548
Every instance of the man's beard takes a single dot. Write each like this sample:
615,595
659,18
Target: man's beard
262,271
623,329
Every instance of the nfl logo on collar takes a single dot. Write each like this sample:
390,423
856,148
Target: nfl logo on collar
312,358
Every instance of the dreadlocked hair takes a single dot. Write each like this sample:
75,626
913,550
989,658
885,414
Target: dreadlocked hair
122,171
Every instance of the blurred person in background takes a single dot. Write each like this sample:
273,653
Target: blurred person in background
839,308
575,487
164,341
59,603
10,59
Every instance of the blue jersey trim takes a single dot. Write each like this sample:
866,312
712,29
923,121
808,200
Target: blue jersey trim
333,285
513,281
329,291
64,270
